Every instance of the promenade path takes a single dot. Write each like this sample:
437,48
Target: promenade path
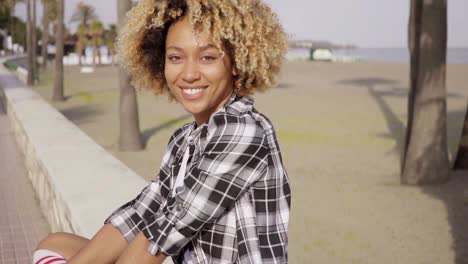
22,225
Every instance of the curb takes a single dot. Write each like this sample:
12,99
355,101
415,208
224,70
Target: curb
77,182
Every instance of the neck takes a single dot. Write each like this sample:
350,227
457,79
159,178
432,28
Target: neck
202,118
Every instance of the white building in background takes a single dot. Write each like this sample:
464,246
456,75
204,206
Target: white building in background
86,58
321,55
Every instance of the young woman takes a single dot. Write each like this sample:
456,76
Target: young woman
222,194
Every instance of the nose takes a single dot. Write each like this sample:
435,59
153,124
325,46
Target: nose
191,72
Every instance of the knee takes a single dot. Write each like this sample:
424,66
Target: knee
52,241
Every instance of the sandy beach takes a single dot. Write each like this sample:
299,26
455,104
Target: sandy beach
341,128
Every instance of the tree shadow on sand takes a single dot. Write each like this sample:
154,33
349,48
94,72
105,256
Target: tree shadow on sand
283,86
81,114
453,194
148,133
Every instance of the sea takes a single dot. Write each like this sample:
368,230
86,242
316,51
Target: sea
398,55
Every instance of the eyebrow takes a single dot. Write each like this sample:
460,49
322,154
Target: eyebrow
202,48
209,46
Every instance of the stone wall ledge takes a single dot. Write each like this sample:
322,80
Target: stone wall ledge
77,182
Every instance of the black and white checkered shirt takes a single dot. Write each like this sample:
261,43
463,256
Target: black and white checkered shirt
234,204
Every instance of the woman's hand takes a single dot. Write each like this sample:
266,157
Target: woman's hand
137,252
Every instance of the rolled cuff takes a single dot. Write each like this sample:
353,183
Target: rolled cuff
128,222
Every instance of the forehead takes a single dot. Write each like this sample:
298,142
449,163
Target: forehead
182,34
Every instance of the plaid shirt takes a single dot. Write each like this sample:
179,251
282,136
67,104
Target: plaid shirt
234,204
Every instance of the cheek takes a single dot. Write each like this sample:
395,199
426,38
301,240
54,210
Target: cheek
217,74
170,73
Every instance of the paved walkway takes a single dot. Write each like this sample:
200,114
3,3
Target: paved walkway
22,225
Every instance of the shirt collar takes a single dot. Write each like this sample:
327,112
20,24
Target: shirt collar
236,104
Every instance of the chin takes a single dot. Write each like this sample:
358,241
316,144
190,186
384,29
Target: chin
195,109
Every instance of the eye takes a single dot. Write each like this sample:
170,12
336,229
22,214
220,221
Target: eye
174,58
208,58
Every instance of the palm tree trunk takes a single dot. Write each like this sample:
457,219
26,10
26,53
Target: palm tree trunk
80,50
30,77
34,42
45,33
99,55
59,43
461,160
426,157
414,31
129,137
94,50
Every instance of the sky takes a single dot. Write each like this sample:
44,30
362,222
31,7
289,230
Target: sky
365,23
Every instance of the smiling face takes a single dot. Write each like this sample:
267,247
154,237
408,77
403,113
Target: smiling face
197,74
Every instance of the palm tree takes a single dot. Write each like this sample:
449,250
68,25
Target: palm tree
33,67
45,32
425,157
7,7
110,37
96,31
49,13
29,41
82,33
129,137
84,14
59,43
6,10
461,160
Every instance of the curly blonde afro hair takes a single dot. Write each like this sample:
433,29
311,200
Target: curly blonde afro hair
247,29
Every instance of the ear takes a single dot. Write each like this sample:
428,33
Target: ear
234,71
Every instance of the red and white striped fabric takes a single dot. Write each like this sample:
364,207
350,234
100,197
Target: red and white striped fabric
44,256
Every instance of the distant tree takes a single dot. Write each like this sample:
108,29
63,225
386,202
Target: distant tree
130,136
84,14
110,38
425,157
5,7
7,10
82,34
19,30
97,32
58,94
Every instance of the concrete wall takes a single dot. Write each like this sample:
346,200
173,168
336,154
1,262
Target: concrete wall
76,181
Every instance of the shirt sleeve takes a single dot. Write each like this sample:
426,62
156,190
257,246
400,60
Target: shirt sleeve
131,217
234,158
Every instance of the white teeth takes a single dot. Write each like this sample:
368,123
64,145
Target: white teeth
192,91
